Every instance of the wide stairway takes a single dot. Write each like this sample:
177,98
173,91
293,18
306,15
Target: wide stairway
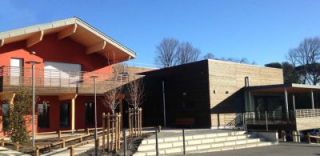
170,142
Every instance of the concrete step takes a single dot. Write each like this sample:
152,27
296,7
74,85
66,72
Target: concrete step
203,148
202,145
151,146
178,137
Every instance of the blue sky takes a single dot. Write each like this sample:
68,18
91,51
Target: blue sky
261,31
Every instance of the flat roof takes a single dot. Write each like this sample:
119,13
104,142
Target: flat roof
293,87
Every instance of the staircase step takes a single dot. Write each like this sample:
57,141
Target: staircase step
178,137
203,149
203,145
146,147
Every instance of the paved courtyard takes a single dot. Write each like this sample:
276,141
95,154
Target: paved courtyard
283,149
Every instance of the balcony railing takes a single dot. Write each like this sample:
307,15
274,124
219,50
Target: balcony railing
307,113
51,81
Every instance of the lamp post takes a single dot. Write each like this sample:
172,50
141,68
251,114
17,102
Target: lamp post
33,64
95,116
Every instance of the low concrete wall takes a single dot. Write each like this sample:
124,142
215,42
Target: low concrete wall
267,136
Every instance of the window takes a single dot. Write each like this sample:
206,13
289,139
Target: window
89,113
44,115
16,71
5,116
64,115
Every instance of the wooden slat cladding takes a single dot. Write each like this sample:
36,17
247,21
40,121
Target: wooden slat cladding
226,82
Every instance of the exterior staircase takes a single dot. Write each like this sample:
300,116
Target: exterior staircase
198,141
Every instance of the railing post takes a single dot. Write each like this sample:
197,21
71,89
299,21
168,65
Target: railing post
266,118
72,151
103,131
157,146
59,134
37,151
184,142
124,143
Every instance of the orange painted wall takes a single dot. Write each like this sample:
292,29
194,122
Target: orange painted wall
66,51
80,112
55,50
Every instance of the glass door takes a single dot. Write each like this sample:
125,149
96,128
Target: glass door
65,115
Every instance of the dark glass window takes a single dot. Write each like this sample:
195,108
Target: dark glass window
65,115
89,113
5,116
44,115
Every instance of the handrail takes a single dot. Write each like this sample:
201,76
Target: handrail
15,76
306,113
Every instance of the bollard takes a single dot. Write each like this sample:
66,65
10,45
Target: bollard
184,142
157,148
283,134
295,136
309,138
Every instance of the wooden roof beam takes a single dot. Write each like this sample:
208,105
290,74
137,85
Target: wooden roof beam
67,32
1,42
67,96
97,47
34,39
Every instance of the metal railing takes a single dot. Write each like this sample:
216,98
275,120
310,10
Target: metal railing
11,77
306,113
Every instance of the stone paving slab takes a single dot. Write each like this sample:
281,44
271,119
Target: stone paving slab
282,149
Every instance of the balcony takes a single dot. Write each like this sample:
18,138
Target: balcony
54,82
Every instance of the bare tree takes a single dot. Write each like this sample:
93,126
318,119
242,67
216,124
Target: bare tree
187,53
305,57
166,51
135,93
208,56
112,96
111,99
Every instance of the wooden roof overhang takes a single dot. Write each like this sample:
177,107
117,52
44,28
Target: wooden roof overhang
280,88
76,29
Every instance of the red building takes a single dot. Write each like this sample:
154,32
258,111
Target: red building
69,53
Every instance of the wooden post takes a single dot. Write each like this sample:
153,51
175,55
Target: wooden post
63,143
17,146
140,121
71,151
2,142
130,125
119,130
103,131
59,134
108,132
37,153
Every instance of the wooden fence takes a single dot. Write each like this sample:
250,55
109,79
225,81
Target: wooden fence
112,129
135,122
